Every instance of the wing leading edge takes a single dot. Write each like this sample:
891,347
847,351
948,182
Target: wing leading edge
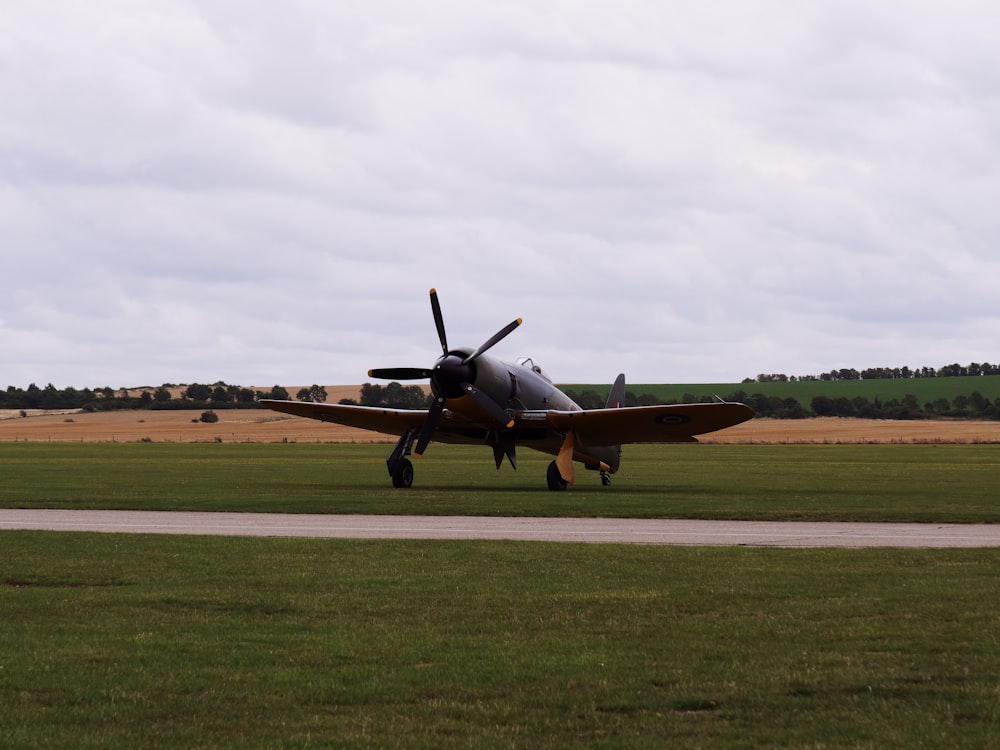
388,421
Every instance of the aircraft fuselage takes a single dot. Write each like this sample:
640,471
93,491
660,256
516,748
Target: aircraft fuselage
522,389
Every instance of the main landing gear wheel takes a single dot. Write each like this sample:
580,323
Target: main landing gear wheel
556,482
402,474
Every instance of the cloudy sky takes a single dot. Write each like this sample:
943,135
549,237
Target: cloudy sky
687,192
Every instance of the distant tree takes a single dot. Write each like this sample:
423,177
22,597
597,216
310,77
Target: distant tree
161,395
589,399
792,409
393,396
32,397
978,402
209,417
245,396
278,394
314,393
371,394
221,395
938,406
822,406
51,398
397,396
198,392
865,408
646,399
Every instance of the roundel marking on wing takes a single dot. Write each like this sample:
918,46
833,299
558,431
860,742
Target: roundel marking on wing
670,419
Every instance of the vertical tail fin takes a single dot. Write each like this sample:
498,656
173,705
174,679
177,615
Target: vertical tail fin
616,399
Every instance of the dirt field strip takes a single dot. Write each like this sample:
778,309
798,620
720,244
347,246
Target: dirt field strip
832,430
266,426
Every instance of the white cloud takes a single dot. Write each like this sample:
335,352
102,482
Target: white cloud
240,191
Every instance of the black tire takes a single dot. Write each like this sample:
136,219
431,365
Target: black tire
402,475
556,482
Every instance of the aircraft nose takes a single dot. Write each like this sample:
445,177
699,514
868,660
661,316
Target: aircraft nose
450,373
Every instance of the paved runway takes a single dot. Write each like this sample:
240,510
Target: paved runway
593,530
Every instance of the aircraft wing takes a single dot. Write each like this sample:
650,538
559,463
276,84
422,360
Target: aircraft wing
594,427
645,424
377,419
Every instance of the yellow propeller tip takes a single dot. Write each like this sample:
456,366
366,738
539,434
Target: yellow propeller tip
418,455
370,373
433,290
510,424
520,320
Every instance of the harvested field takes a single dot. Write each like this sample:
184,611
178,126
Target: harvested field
832,430
265,426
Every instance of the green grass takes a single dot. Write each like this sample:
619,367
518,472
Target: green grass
925,389
932,483
161,642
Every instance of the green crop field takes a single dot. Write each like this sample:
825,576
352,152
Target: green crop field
182,642
926,390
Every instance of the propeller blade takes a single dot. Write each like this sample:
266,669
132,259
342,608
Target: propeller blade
495,339
448,380
439,320
503,445
400,373
430,425
489,405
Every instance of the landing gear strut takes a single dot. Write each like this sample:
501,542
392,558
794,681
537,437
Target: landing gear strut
605,479
400,468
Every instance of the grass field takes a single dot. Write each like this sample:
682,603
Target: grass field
933,483
150,641
130,641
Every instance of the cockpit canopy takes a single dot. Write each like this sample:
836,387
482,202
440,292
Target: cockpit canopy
530,364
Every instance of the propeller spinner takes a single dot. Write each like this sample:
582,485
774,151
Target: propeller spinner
452,376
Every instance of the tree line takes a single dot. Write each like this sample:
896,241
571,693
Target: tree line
974,369
195,396
973,406
221,395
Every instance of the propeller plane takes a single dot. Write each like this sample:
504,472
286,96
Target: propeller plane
480,399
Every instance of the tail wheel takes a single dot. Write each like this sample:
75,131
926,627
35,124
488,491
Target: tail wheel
556,482
402,475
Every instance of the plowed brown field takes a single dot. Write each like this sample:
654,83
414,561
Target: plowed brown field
265,426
